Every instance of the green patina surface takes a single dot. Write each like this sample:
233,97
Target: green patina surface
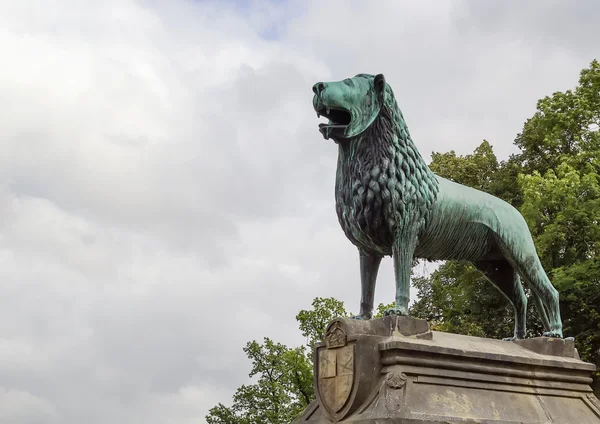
389,203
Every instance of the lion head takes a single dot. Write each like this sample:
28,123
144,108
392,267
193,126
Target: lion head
350,105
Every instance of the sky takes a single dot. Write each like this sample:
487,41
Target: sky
166,197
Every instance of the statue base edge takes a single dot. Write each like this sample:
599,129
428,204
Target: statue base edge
373,373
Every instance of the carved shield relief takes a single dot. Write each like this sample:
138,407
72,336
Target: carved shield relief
336,376
335,369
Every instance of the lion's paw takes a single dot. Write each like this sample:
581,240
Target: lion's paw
514,338
395,311
554,334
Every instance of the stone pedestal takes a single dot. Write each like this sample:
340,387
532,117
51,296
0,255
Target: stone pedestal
395,370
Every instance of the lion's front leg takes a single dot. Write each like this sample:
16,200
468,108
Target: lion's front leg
402,252
369,267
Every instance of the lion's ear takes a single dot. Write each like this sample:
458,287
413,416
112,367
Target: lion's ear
379,83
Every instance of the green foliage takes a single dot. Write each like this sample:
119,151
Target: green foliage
312,322
381,308
284,376
281,392
562,209
565,125
221,414
457,299
476,170
561,190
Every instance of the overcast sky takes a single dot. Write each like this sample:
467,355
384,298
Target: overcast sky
165,195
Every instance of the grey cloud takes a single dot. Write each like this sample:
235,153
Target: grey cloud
23,407
186,187
167,197
461,70
546,25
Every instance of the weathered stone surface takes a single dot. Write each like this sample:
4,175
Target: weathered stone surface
336,375
384,327
386,371
550,346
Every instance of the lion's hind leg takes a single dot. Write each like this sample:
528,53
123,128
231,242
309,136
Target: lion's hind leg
507,280
541,311
536,277
523,257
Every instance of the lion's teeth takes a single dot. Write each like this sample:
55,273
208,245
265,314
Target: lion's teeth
318,115
328,111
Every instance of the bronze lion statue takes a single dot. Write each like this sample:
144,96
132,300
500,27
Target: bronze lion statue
389,203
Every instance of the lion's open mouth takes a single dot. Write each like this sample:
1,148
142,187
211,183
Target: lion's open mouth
337,117
339,120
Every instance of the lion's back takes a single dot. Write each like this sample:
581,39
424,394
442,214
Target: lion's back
477,206
469,219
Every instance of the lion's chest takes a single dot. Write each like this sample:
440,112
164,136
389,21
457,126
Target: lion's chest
363,206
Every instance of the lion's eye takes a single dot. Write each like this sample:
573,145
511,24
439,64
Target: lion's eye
349,82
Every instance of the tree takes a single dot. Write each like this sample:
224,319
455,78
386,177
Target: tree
477,170
312,322
554,181
563,210
281,391
565,126
284,385
560,156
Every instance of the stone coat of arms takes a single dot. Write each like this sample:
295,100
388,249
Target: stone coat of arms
335,369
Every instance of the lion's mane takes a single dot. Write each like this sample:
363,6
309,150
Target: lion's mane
383,185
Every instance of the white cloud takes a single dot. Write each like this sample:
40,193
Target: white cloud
166,196
22,407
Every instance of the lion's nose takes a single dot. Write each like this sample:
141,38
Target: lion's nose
318,87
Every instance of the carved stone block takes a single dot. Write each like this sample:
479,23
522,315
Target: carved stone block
395,370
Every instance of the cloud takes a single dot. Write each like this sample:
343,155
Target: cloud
166,196
22,407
